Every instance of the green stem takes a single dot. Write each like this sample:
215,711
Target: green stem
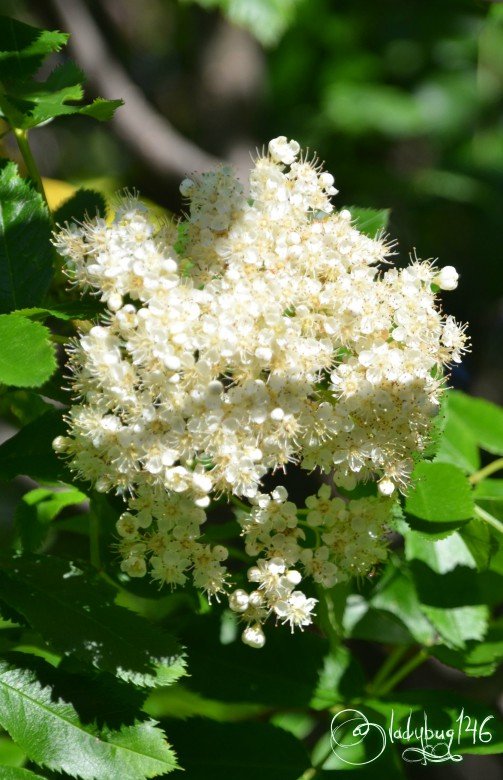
497,524
29,160
404,671
314,770
327,619
240,504
94,540
238,554
387,667
59,339
496,465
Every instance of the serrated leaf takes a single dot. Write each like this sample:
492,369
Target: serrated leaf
369,221
27,355
26,253
89,626
26,103
483,419
30,451
49,730
72,310
479,659
23,48
440,495
101,109
84,203
226,751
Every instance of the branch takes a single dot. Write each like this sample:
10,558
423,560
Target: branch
138,123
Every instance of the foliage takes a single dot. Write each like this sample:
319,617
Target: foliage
103,676
25,102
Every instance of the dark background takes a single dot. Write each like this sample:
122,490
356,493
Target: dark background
401,98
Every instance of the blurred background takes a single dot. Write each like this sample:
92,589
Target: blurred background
402,100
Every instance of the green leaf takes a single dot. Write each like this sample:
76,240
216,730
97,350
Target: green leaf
457,445
395,593
48,728
89,625
23,48
489,495
478,659
30,451
452,593
17,773
361,621
100,109
441,555
440,497
85,203
369,221
22,406
72,310
483,420
26,253
341,679
226,751
27,355
26,103
481,541
11,754
235,673
37,509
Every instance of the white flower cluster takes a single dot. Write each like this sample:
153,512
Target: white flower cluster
347,539
257,333
275,594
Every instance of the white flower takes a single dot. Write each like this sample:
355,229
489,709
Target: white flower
253,636
447,278
296,610
283,151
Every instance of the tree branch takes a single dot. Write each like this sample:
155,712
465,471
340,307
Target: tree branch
144,129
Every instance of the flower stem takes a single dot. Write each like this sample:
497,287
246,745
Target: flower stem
314,770
328,619
496,465
497,524
29,161
392,660
404,671
240,504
